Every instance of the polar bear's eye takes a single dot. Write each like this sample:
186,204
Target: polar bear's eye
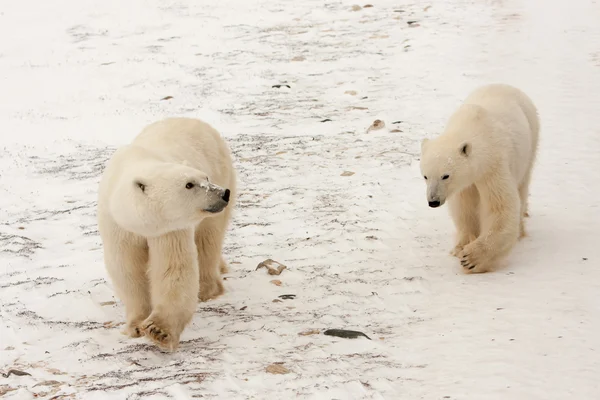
445,177
141,186
425,177
189,185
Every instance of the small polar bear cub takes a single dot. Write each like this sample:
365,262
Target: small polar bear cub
164,204
482,164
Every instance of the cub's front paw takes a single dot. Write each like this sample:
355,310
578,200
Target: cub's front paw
160,334
211,290
474,258
132,329
460,245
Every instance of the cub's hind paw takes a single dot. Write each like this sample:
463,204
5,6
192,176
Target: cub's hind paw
211,290
223,267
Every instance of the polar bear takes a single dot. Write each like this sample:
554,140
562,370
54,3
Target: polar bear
482,164
164,205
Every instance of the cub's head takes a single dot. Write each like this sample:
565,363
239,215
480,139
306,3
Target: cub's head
456,159
446,169
167,197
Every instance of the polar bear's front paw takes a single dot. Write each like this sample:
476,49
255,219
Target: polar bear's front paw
462,242
474,258
211,290
132,329
160,335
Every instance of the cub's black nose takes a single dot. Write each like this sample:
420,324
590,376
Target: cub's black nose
226,195
434,204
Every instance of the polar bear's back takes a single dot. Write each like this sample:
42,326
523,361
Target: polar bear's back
508,102
190,141
517,119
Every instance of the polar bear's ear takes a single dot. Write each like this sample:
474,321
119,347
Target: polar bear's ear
141,186
465,149
424,143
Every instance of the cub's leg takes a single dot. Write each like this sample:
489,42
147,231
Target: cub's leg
209,241
499,224
126,260
464,209
173,286
524,196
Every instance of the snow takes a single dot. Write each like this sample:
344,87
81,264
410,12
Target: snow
363,251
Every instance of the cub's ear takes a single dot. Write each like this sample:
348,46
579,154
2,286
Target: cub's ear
141,186
465,149
424,144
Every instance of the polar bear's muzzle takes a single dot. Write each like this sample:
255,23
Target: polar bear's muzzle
218,198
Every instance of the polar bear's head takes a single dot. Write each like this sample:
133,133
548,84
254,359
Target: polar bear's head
445,170
456,159
156,199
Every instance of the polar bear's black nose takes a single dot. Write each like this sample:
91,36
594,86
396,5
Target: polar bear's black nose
434,204
226,195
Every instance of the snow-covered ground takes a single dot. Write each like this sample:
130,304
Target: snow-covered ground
363,250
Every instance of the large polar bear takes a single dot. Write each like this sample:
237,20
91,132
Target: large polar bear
164,205
482,165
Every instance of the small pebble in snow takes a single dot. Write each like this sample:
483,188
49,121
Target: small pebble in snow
584,258
356,7
279,86
48,383
277,369
276,282
309,332
344,333
376,125
273,267
347,173
287,296
368,6
326,120
15,372
167,98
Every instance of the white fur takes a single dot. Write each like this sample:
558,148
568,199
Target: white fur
486,153
162,219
